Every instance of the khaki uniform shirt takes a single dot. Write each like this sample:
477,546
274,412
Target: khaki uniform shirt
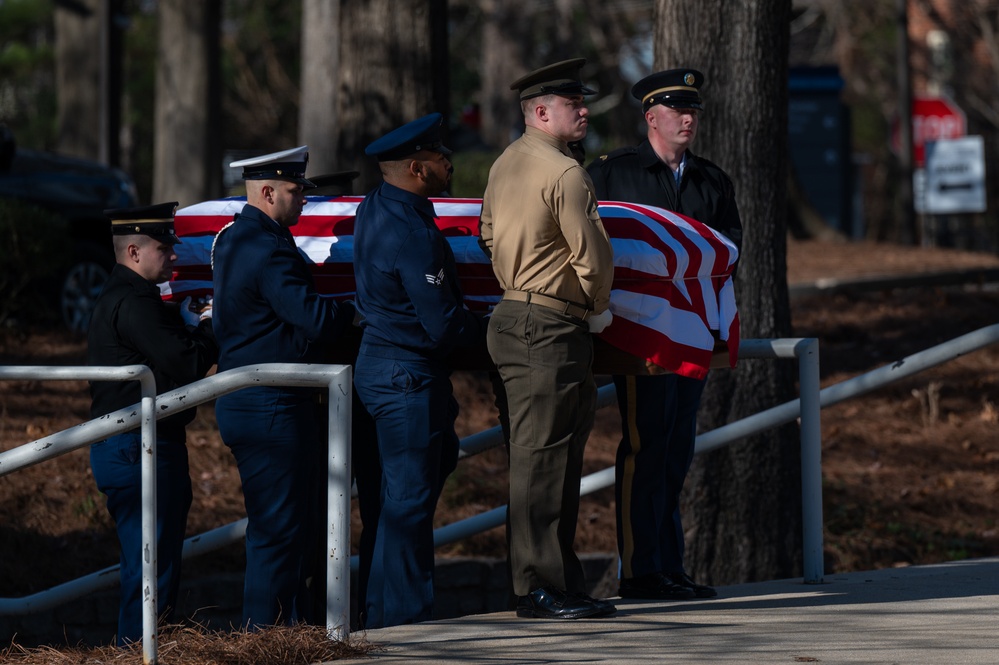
540,226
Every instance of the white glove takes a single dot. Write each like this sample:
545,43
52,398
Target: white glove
206,313
190,317
598,322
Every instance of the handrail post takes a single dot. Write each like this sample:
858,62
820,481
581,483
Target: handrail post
150,565
338,507
807,351
335,378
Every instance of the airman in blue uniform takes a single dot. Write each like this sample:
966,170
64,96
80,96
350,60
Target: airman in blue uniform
267,310
131,325
411,304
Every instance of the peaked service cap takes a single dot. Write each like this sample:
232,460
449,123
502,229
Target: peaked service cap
284,165
155,221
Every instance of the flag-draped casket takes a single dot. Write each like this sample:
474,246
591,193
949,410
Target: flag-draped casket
672,297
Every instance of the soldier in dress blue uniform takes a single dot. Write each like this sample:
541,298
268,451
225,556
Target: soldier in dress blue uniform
267,310
659,413
411,304
131,325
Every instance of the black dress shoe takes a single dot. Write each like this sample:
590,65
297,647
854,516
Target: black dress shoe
655,586
684,580
553,603
606,607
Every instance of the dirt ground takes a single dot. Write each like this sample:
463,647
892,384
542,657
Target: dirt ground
911,472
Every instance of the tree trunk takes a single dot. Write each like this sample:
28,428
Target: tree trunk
78,71
505,22
744,502
317,113
386,77
187,159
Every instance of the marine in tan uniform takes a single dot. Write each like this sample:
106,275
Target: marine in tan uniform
553,258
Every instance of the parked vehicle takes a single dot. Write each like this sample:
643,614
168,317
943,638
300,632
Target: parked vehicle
77,191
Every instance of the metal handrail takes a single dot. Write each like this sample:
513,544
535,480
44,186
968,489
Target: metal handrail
37,451
807,352
762,421
336,378
774,417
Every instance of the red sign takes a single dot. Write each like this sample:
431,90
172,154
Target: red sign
934,118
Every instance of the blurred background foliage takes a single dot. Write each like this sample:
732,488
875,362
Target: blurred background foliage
260,62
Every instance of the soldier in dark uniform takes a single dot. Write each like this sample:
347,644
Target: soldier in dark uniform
267,310
659,413
411,304
131,325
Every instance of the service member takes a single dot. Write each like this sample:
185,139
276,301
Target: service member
659,413
267,310
131,325
553,258
413,316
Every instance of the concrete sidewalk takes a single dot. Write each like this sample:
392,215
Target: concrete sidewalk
945,614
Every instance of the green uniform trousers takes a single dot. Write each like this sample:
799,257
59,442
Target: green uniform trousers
545,359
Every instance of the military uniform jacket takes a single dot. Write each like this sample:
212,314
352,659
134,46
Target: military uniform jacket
266,308
637,175
131,325
407,282
539,224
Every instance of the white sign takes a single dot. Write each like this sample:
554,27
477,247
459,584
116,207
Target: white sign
955,176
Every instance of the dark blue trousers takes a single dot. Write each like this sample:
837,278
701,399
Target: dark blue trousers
659,425
414,412
117,470
273,436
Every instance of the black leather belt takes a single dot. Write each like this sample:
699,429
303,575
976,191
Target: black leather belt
564,306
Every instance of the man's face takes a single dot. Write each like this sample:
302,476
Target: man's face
567,117
154,259
437,173
287,200
675,127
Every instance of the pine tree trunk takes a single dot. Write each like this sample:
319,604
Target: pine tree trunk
186,162
505,22
386,77
78,73
743,516
317,114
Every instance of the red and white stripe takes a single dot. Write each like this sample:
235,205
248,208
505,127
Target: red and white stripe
672,295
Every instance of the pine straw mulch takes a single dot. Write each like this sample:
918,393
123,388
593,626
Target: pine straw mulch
278,645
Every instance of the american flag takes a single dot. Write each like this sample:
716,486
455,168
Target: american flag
672,298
